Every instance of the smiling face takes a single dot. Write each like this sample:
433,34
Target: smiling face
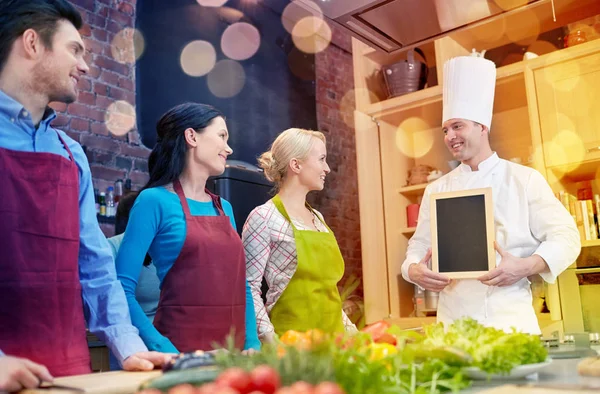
59,68
314,167
464,139
212,150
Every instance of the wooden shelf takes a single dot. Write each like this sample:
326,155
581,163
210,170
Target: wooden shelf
433,94
106,219
585,171
407,230
587,244
413,190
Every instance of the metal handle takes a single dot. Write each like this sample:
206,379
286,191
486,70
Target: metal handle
594,149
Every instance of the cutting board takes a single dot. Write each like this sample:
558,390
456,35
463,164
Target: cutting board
117,382
513,389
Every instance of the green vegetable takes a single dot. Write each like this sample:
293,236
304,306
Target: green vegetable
194,376
492,350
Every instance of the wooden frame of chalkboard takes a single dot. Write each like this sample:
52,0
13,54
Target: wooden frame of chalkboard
462,233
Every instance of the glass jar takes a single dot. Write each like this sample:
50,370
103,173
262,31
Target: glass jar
575,37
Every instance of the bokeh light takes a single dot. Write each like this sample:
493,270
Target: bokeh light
240,41
414,137
198,58
120,117
566,148
211,3
311,34
523,27
127,46
294,12
563,78
226,79
230,15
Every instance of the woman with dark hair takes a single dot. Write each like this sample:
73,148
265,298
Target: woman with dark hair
190,235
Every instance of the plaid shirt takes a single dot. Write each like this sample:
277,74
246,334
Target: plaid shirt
271,252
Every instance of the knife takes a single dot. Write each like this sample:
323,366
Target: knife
62,387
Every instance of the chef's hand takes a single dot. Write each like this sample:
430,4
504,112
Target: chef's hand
145,361
421,275
19,373
512,269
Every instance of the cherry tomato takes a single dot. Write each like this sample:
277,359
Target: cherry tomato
150,391
182,389
236,378
207,388
387,338
265,378
285,390
377,329
328,388
302,388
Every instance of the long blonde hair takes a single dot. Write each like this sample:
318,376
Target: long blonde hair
291,144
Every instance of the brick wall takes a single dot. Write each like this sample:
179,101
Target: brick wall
335,108
111,157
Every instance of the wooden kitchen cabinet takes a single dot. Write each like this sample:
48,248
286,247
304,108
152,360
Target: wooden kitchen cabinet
568,97
393,135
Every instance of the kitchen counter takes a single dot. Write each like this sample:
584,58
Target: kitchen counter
559,375
560,372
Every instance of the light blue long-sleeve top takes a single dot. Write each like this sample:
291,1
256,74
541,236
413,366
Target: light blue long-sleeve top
157,226
102,293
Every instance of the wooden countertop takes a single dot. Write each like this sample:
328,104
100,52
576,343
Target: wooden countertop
117,382
560,377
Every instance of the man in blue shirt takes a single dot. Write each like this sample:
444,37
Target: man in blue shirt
53,255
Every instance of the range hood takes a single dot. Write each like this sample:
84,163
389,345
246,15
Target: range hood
391,25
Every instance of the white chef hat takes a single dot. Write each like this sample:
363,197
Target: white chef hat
469,84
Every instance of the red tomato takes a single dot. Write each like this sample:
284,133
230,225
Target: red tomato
302,388
387,338
182,389
150,391
265,379
225,390
236,378
377,330
207,388
328,388
285,390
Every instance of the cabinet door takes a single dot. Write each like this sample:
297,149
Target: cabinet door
568,95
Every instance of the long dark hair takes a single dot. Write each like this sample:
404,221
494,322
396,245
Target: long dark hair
167,160
16,16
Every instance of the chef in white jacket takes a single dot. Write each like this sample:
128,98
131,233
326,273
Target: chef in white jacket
534,232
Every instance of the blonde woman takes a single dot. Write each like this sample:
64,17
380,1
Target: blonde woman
289,244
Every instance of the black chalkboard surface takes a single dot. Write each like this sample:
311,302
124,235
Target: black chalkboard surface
462,233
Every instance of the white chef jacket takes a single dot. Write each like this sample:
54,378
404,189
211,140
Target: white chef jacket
528,220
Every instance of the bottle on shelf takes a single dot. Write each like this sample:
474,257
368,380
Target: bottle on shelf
102,202
118,191
97,200
127,185
110,202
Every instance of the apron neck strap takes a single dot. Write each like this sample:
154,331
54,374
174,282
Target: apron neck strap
281,208
66,146
216,200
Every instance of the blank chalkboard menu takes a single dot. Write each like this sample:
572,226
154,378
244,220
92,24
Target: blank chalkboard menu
462,233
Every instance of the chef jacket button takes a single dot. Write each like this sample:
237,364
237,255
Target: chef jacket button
25,113
12,120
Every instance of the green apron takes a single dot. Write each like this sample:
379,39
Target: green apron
311,299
